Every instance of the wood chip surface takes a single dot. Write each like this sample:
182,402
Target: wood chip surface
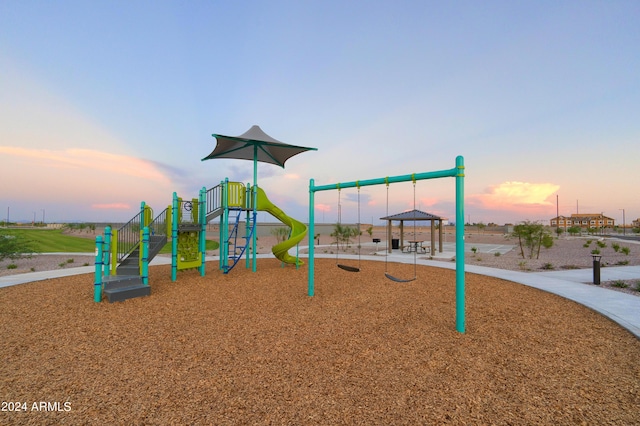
253,348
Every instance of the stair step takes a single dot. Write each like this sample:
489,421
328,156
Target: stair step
112,282
124,293
128,269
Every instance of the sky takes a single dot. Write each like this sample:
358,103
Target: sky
105,104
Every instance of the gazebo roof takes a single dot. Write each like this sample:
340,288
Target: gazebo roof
412,215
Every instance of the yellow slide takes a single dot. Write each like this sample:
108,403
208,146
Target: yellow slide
298,229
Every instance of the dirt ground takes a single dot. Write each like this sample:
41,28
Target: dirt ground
253,348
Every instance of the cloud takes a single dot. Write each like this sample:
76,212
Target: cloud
88,159
516,195
323,207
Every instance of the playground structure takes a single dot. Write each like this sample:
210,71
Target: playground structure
123,255
457,172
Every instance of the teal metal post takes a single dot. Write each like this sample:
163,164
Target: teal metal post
255,205
107,250
174,236
224,226
97,282
460,278
144,272
312,232
203,228
247,224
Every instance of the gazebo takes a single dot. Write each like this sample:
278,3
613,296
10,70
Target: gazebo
413,216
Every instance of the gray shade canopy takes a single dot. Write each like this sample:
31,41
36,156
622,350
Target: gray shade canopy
415,215
255,145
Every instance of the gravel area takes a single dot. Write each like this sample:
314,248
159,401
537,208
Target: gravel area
252,348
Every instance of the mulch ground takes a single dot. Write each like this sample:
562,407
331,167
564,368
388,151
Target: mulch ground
253,348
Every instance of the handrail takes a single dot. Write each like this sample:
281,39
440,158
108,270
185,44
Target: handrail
129,236
158,226
213,199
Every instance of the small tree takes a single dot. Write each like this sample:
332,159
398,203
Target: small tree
532,236
343,234
574,230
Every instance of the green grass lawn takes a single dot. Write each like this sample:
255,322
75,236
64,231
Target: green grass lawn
54,241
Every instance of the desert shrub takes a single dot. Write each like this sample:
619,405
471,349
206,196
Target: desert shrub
474,250
637,288
619,284
547,266
615,247
281,233
601,244
12,266
595,251
622,262
496,254
625,250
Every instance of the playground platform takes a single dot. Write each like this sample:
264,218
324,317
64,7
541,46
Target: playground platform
621,308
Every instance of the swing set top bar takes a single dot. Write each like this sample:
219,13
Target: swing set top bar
456,171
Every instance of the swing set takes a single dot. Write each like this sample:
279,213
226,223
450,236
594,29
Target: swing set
457,172
349,268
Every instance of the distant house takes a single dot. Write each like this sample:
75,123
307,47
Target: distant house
583,220
636,223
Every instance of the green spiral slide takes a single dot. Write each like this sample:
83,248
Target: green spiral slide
298,229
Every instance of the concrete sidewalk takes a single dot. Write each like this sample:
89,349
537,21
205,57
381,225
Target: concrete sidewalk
620,307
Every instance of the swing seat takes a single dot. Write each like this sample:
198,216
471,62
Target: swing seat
348,268
398,280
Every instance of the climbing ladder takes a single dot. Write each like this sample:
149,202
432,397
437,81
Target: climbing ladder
236,251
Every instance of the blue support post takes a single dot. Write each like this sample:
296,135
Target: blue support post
144,270
97,282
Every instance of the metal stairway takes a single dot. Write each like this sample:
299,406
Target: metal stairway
128,283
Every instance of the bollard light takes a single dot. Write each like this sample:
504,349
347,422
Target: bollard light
596,268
